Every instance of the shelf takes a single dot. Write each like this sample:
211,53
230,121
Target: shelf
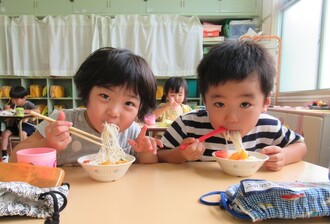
69,100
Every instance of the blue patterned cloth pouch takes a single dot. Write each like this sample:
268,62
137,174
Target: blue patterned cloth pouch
23,199
257,200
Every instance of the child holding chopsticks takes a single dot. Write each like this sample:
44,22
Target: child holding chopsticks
235,80
116,86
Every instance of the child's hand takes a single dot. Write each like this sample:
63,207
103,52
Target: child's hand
194,151
173,104
145,143
276,157
57,133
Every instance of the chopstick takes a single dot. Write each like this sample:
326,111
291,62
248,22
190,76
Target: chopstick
206,136
75,131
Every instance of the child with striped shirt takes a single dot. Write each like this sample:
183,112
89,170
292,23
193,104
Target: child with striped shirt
235,80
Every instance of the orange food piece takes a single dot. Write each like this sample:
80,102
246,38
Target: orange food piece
238,155
119,162
107,163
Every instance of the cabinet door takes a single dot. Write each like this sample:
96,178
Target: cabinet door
125,7
51,7
91,7
161,6
201,7
239,6
17,7
278,115
312,128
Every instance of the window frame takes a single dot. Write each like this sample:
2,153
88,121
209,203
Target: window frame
303,98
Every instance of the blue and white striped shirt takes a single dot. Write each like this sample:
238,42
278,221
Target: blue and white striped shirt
268,131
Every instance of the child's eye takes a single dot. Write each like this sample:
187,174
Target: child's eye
104,96
130,104
245,105
219,104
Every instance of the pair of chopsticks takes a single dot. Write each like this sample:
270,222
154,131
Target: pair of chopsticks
204,137
75,131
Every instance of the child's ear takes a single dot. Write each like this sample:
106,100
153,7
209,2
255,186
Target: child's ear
266,104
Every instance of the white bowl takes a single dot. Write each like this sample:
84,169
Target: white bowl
105,173
242,168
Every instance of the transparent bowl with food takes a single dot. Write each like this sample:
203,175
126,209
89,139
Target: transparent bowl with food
105,172
240,167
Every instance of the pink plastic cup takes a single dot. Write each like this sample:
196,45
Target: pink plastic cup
37,156
150,119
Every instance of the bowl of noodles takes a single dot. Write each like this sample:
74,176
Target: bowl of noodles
111,162
106,171
241,167
239,162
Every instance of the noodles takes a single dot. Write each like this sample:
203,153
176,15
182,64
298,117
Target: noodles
114,154
235,137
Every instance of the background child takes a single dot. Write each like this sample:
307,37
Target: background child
235,80
116,87
18,95
173,102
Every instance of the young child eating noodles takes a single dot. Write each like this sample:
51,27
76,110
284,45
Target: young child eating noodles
235,80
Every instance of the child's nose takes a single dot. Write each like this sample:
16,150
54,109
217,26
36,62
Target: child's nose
113,111
231,116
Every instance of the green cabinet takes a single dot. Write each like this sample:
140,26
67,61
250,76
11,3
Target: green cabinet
161,6
239,6
70,98
201,7
91,7
122,7
17,7
145,7
222,7
51,7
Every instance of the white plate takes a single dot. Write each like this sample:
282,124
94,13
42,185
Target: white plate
6,113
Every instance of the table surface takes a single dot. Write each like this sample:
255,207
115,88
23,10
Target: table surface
19,118
3,116
163,193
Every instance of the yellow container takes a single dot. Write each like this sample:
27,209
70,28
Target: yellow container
56,91
41,107
159,92
59,107
35,90
4,91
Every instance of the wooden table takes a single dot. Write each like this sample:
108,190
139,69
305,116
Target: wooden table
20,120
163,194
157,127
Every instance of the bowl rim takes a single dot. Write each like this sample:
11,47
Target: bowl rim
79,160
266,157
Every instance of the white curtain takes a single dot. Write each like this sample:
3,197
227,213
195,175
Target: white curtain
58,45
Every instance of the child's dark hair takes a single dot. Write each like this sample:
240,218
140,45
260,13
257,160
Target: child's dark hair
236,61
18,92
111,67
175,83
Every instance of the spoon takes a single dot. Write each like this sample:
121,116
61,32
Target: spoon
204,137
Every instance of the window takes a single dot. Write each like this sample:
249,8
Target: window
304,47
325,52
